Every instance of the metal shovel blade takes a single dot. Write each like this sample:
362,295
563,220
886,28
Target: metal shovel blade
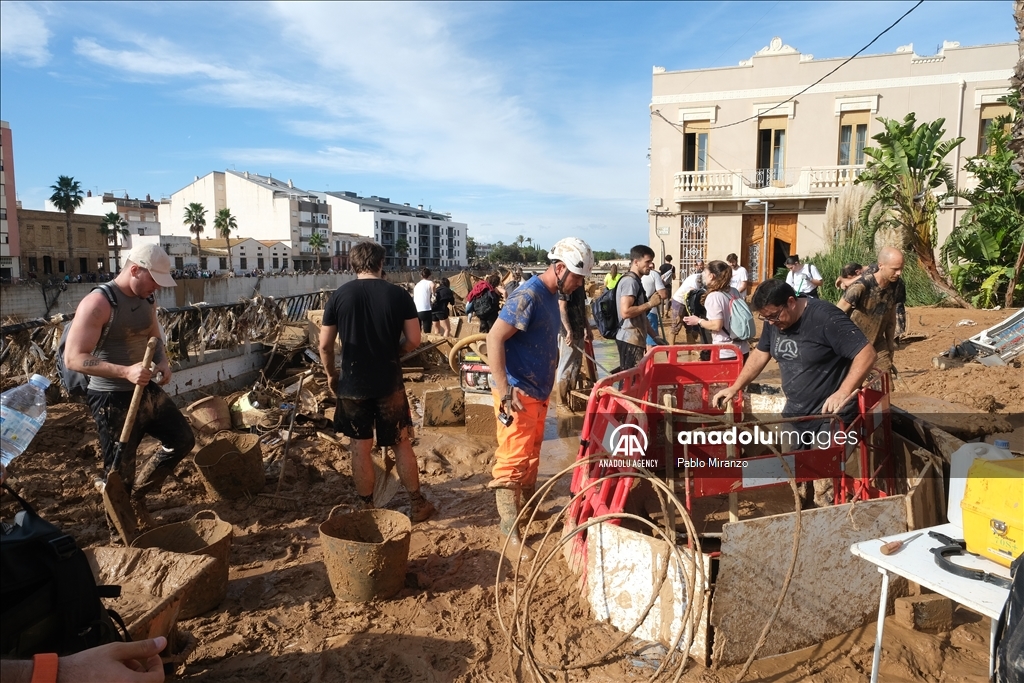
119,508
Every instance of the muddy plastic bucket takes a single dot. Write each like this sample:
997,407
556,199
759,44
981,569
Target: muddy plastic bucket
210,414
204,534
232,466
366,553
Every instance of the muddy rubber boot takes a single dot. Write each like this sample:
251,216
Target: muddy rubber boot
526,495
420,509
508,510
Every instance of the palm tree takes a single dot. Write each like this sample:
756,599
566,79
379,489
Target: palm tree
224,223
195,219
317,242
519,241
67,197
907,172
402,248
115,228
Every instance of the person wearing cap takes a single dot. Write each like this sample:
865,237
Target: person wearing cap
108,344
522,349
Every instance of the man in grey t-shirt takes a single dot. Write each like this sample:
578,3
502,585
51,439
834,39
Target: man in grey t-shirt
633,305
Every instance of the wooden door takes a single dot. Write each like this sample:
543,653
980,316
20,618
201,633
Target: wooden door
781,243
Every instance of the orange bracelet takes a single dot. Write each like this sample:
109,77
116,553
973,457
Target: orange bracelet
44,668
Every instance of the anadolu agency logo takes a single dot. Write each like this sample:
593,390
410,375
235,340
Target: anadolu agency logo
629,445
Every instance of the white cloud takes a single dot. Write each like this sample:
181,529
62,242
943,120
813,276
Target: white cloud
23,33
154,57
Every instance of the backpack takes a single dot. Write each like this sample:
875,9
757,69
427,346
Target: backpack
741,320
49,600
606,309
76,383
485,304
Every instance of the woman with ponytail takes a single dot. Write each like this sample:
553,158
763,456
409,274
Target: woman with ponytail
717,277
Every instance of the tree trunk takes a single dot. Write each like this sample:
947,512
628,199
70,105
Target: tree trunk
1013,278
71,246
927,262
231,268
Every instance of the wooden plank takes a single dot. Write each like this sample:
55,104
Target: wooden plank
622,569
832,591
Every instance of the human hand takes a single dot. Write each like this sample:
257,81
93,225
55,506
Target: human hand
836,401
589,335
655,300
163,369
333,381
514,399
724,397
568,339
691,320
137,662
138,374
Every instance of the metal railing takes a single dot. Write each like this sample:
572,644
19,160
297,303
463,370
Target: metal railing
30,346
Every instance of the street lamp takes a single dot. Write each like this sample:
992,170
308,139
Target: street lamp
764,240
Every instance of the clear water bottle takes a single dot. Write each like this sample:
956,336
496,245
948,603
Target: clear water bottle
22,413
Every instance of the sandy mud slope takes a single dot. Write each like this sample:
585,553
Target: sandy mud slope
281,622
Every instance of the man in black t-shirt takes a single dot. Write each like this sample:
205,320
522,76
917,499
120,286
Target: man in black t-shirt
823,357
376,322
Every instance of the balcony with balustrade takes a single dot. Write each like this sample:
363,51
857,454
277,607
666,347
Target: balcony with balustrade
778,183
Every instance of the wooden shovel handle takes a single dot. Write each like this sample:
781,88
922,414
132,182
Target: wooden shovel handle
133,409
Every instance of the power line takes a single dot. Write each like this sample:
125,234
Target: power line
790,99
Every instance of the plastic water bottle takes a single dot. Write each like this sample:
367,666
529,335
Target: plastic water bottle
22,413
959,463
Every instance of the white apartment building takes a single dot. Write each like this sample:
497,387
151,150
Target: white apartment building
264,207
738,137
411,236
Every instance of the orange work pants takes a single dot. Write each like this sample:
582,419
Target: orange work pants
517,459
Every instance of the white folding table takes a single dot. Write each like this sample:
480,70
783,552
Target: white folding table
916,563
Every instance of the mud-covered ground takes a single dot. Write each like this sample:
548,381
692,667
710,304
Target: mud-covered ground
281,622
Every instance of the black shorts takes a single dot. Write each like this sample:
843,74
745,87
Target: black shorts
426,319
440,315
629,354
356,418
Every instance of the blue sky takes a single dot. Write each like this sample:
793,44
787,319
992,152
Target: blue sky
518,118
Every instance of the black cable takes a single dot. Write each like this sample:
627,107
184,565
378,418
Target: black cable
790,99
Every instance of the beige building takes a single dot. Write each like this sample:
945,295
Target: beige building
265,208
725,141
10,245
44,243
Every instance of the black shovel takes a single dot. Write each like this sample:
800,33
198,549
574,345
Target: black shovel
115,497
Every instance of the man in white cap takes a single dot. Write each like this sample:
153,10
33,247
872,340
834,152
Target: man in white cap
107,342
522,349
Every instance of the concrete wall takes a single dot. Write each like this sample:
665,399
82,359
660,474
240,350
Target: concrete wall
25,302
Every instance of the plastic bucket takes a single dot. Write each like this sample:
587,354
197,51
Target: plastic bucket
232,466
366,553
210,414
204,534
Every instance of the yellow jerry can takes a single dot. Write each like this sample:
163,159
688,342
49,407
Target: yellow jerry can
993,509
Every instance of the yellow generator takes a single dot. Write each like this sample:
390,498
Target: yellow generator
993,509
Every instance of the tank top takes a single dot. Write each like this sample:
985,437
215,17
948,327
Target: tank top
126,339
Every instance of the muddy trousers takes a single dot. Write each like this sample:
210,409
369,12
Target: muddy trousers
517,458
158,417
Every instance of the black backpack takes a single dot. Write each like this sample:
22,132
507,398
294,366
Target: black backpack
485,304
606,309
49,600
76,383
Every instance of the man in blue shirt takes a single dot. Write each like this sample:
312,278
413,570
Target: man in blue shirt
522,349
